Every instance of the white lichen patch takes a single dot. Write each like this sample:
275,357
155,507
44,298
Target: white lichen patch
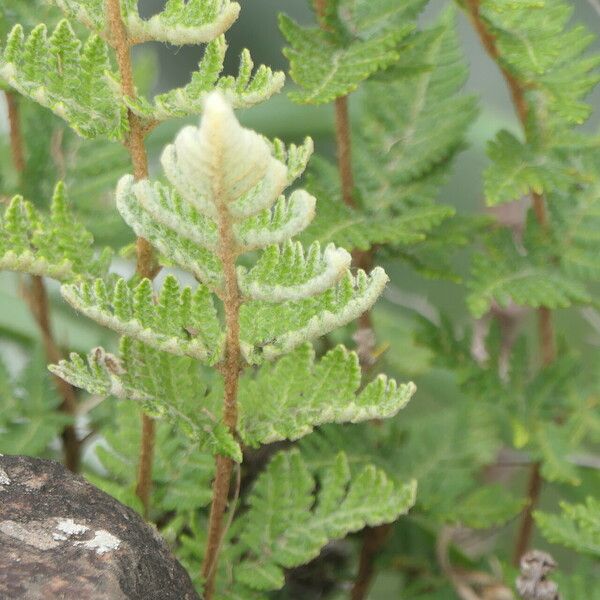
4,478
66,528
102,542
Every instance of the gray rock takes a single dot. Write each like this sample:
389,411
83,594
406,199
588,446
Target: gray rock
62,538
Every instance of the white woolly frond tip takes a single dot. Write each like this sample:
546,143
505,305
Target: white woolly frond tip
222,165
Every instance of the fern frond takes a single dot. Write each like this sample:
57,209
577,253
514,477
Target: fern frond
69,80
288,522
362,230
287,400
223,169
487,506
165,386
59,246
180,322
553,445
325,68
243,91
414,122
576,220
269,330
181,21
577,527
445,466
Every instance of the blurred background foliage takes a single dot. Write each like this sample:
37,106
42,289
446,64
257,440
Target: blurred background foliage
92,168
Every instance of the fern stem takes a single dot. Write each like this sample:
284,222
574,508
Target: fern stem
534,488
374,538
37,299
144,471
16,137
146,265
546,332
320,7
231,371
344,149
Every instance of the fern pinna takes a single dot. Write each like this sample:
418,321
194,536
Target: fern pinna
227,181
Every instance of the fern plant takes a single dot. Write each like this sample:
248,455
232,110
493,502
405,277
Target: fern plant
204,221
264,439
228,182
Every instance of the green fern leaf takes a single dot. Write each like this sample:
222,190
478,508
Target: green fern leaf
503,275
287,274
269,330
516,170
446,467
57,74
29,417
180,322
488,506
535,45
417,121
243,91
325,68
57,247
366,18
288,399
165,386
181,476
554,445
288,523
362,228
414,122
181,21
575,217
577,527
